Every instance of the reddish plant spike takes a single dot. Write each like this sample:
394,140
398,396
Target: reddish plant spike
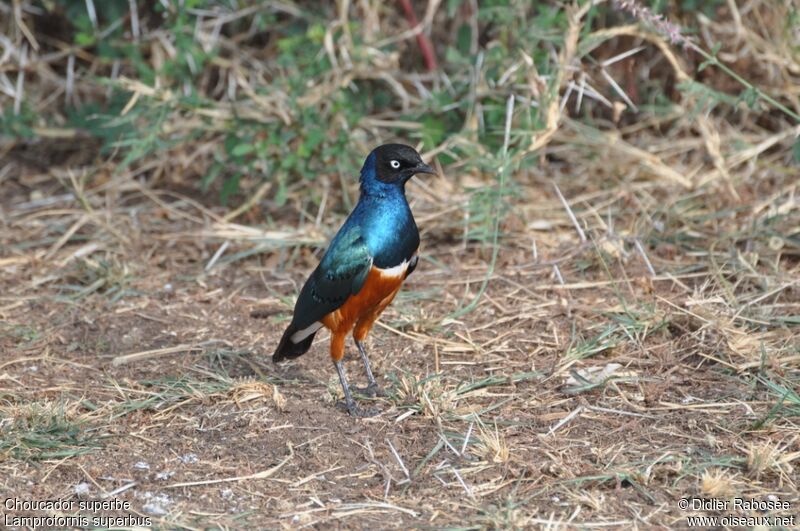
424,43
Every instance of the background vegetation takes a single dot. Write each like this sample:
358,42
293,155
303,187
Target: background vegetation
605,319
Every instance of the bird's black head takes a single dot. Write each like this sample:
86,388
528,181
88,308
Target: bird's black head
394,163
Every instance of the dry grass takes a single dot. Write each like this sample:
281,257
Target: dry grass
633,337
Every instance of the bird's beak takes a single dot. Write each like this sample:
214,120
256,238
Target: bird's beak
424,168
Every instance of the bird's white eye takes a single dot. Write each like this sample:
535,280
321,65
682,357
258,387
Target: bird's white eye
394,164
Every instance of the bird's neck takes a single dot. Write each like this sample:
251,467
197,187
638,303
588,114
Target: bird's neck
386,206
378,190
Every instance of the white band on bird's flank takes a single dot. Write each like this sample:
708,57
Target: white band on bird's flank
397,271
300,335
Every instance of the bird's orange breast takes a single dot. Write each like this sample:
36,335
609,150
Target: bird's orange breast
377,292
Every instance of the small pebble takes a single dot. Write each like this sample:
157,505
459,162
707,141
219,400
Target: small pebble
156,504
188,459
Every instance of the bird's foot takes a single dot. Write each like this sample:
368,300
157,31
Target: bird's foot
356,411
371,391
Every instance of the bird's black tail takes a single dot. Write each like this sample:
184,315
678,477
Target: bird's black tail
288,350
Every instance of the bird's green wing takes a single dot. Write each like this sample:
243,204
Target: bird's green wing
341,273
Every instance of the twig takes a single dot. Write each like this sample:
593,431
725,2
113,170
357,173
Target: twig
467,437
397,457
23,60
639,248
217,255
146,354
572,217
557,272
566,419
463,483
259,475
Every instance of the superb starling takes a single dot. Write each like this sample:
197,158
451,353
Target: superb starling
363,268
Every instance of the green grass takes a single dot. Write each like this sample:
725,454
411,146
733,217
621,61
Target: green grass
22,334
632,326
787,400
158,394
39,432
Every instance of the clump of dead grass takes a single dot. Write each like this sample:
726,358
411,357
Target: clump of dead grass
427,395
490,444
765,458
259,392
718,483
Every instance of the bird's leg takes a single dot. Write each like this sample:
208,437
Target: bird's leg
349,403
371,390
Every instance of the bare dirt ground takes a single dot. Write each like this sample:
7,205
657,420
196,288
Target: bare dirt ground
595,383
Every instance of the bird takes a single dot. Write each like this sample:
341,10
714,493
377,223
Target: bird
363,267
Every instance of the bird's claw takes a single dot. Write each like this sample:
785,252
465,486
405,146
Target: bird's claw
371,391
356,411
